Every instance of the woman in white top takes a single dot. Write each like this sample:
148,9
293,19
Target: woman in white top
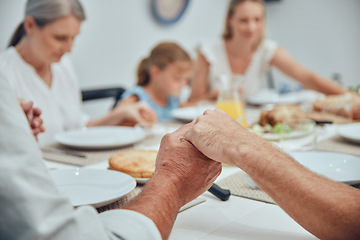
37,70
245,53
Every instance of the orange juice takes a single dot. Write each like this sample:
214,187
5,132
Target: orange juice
234,109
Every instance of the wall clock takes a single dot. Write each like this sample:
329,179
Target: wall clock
168,11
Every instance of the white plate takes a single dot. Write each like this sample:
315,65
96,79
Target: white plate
268,96
91,186
336,166
350,132
291,135
100,137
189,113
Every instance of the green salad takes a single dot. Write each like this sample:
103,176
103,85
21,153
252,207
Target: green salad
281,128
277,129
355,89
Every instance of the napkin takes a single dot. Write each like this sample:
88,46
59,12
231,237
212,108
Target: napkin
193,203
238,184
338,144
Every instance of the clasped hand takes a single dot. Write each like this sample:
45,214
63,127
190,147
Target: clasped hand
191,156
33,116
190,171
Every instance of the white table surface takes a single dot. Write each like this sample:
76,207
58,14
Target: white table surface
237,218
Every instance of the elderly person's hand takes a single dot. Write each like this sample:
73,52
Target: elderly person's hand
135,113
182,173
191,172
33,116
222,139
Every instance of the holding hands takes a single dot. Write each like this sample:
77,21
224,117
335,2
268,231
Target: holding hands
191,172
182,173
222,139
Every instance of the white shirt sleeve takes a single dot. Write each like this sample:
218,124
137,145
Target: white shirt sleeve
32,207
270,48
129,224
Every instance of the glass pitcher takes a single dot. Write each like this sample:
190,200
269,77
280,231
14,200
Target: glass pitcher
229,99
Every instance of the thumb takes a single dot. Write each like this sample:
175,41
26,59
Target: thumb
26,106
183,131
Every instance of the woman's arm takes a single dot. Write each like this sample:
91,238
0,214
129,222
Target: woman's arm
289,66
128,112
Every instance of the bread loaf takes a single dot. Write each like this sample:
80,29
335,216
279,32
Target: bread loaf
346,105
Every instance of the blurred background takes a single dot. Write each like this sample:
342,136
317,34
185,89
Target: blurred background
323,35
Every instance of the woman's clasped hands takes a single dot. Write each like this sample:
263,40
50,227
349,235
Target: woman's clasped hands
33,116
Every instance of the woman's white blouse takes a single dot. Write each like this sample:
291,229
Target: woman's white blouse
60,104
253,79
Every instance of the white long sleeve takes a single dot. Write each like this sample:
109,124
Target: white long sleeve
32,207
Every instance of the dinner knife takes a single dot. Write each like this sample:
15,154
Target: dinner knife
222,194
57,151
323,122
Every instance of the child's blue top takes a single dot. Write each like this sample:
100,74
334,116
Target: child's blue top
162,112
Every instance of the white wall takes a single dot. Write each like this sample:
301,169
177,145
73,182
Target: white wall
323,35
119,33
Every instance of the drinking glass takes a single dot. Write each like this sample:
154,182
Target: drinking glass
229,99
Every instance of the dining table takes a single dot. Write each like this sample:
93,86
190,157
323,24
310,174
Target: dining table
252,215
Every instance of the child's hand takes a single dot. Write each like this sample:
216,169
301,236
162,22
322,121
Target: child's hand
137,113
147,114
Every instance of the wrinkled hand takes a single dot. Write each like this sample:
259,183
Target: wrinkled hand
33,116
219,137
191,172
136,113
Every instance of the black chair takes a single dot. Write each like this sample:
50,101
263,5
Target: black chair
93,94
270,80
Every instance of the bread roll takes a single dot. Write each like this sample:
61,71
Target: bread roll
136,163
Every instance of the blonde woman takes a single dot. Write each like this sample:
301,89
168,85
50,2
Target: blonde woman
244,52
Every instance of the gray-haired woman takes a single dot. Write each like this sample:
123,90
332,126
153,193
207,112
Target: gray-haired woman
37,70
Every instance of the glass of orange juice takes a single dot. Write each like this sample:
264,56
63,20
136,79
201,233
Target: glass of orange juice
234,109
229,100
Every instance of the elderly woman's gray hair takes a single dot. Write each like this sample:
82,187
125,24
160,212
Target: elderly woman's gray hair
45,12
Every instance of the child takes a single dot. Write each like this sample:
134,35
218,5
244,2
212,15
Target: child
161,76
